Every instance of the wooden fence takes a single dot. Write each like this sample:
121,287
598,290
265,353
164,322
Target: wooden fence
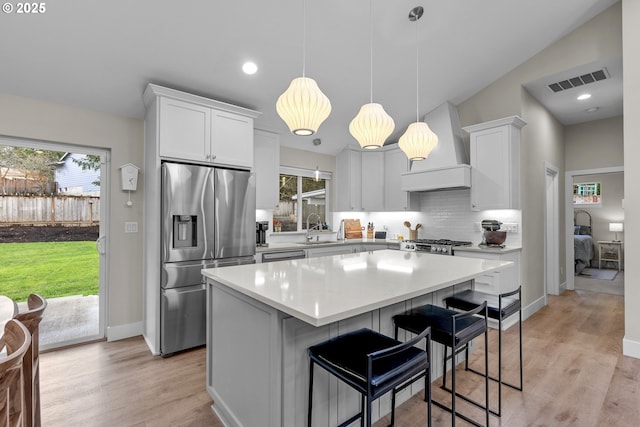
25,187
41,210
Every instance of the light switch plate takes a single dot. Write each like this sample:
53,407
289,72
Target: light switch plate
130,227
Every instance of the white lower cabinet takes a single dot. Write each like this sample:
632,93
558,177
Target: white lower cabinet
317,252
500,282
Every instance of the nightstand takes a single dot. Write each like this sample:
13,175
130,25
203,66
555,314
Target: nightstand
610,251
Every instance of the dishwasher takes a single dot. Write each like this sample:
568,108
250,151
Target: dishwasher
283,255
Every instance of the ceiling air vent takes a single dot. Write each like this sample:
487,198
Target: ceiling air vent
584,79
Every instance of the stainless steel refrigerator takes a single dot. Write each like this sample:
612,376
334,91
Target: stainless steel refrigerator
208,220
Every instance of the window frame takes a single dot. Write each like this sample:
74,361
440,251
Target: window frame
307,173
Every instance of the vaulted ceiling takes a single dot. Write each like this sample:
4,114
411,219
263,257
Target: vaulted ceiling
100,55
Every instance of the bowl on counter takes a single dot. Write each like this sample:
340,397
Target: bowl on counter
495,237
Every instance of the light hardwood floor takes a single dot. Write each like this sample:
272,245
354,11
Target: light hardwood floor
575,375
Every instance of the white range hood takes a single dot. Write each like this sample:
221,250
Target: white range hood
447,167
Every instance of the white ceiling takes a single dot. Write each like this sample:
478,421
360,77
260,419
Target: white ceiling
100,55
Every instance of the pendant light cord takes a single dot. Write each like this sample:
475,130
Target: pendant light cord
371,50
417,73
304,37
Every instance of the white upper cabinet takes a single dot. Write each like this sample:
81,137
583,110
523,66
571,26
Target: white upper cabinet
185,130
495,164
370,181
201,130
372,177
349,180
267,169
395,164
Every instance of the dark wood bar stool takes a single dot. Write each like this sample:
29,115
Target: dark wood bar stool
373,364
16,340
499,307
453,330
31,369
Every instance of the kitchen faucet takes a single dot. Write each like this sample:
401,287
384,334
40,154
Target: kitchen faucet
308,235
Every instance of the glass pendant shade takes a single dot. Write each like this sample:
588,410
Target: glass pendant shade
371,126
418,141
303,106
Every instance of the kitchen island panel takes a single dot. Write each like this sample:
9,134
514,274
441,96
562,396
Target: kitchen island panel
332,295
245,366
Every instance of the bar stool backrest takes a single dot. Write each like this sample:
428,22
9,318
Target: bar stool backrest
15,340
31,368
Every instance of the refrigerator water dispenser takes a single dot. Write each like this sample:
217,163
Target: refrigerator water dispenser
185,232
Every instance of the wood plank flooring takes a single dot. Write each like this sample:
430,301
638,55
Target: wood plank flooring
575,375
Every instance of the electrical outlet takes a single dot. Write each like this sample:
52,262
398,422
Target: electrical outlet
130,227
509,227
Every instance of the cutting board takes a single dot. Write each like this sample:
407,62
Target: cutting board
352,229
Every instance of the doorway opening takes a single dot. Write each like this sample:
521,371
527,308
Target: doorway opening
595,230
52,228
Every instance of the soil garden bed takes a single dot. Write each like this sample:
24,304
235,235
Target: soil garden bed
47,233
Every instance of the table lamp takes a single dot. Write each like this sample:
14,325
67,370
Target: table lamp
616,227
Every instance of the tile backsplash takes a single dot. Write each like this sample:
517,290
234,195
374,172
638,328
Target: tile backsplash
443,214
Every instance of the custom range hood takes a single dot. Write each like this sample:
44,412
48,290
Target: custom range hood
447,167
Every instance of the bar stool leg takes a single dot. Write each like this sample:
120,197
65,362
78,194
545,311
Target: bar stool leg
310,403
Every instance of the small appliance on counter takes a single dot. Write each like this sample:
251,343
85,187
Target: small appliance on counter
261,233
492,237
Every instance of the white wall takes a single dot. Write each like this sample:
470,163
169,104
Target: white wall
631,87
597,144
542,137
45,121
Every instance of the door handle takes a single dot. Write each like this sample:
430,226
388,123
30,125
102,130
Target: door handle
99,247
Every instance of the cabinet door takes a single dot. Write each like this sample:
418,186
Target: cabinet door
495,163
348,181
318,252
395,164
185,130
267,169
372,178
490,174
232,139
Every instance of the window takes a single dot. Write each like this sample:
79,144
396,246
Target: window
587,194
303,198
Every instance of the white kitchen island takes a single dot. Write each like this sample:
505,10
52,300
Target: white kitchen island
261,318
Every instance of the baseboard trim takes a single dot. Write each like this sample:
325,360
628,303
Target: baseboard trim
631,348
563,287
120,332
529,310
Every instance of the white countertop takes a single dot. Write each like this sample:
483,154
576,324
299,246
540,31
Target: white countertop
488,249
327,289
283,246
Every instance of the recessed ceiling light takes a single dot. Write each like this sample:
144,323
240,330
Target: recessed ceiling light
584,96
249,68
592,109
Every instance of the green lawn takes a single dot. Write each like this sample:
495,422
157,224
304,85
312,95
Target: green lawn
51,269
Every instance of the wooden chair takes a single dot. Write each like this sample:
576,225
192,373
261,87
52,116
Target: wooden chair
31,319
16,340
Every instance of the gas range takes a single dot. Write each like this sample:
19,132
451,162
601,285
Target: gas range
435,246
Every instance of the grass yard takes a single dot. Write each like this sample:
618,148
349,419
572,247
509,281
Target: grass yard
51,269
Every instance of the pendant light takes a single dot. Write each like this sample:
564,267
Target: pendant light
303,106
372,125
418,140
